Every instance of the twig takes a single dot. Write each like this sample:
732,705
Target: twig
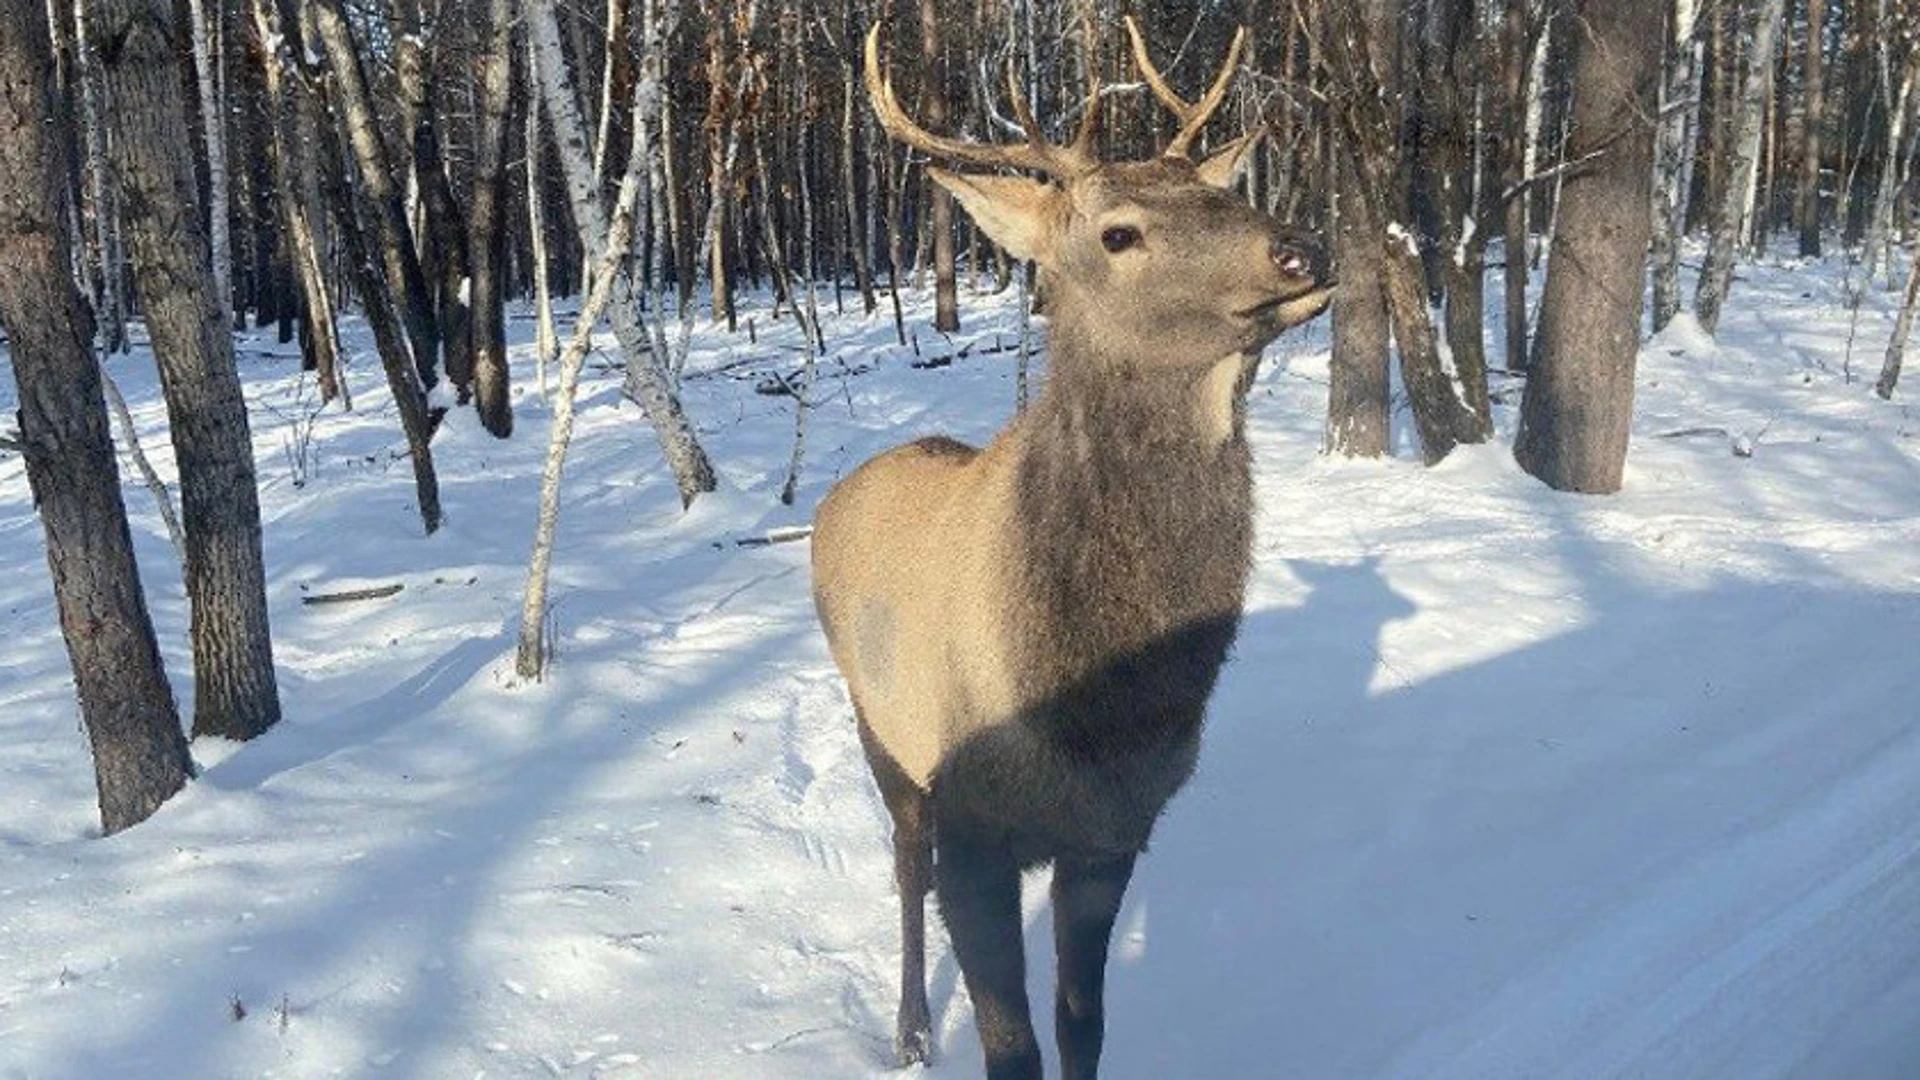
786,535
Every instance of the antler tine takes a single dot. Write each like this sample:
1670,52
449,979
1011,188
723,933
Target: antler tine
1192,115
1035,153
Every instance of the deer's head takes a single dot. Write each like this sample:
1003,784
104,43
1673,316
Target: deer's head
1146,263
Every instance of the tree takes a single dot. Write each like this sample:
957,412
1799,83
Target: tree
235,692
139,753
1732,214
1578,405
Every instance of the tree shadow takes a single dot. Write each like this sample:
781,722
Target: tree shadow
1630,849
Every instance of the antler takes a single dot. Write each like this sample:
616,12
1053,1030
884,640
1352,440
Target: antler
1060,162
1192,115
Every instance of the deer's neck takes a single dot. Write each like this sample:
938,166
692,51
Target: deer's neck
1136,526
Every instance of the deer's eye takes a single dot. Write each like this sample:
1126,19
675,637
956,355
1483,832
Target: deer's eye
1119,238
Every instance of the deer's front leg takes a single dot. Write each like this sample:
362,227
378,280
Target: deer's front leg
979,888
1086,900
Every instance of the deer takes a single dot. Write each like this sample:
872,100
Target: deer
1030,631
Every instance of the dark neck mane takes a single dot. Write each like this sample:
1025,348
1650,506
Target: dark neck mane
1135,522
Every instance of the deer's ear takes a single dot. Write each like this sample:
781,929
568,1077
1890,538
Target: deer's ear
1224,166
1018,213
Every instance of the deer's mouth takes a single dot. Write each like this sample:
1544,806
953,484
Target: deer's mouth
1282,312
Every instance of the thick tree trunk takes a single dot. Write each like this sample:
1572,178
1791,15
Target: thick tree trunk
1359,386
139,753
1729,224
1578,406
235,693
486,239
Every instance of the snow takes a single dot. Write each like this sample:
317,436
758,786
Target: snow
1500,783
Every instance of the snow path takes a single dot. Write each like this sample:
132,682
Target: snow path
1500,783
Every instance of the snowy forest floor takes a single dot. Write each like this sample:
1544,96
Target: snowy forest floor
1501,782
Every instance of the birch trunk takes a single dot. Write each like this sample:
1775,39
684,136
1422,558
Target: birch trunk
1729,225
609,252
647,379
1879,239
126,705
546,343
235,692
1674,145
1902,329
206,61
112,304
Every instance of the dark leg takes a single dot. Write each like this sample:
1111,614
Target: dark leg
1086,899
912,873
979,885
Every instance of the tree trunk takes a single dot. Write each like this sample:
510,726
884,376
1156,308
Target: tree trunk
486,239
609,252
1729,224
442,244
389,334
1902,328
1812,112
101,191
1517,63
1575,416
235,693
206,61
1673,148
386,202
647,379
139,754
1359,380
546,340
946,297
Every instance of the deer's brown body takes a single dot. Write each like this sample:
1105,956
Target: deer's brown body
1030,631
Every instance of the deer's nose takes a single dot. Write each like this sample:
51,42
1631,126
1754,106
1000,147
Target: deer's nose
1297,256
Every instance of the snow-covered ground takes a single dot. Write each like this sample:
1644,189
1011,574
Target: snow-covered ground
1501,783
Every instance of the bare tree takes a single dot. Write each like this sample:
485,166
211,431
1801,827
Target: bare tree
139,753
1578,405
486,239
235,691
1731,217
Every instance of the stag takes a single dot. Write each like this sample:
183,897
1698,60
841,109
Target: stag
1030,631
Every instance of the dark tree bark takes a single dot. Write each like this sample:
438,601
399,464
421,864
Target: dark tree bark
946,297
403,376
386,203
139,753
235,693
1358,383
1575,416
486,239
1812,112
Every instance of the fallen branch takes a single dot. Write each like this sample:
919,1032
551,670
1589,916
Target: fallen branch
377,592
784,535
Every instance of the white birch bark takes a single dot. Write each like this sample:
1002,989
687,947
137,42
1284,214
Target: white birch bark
206,63
1730,223
1902,328
608,256
648,382
162,498
1893,175
546,343
1673,152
